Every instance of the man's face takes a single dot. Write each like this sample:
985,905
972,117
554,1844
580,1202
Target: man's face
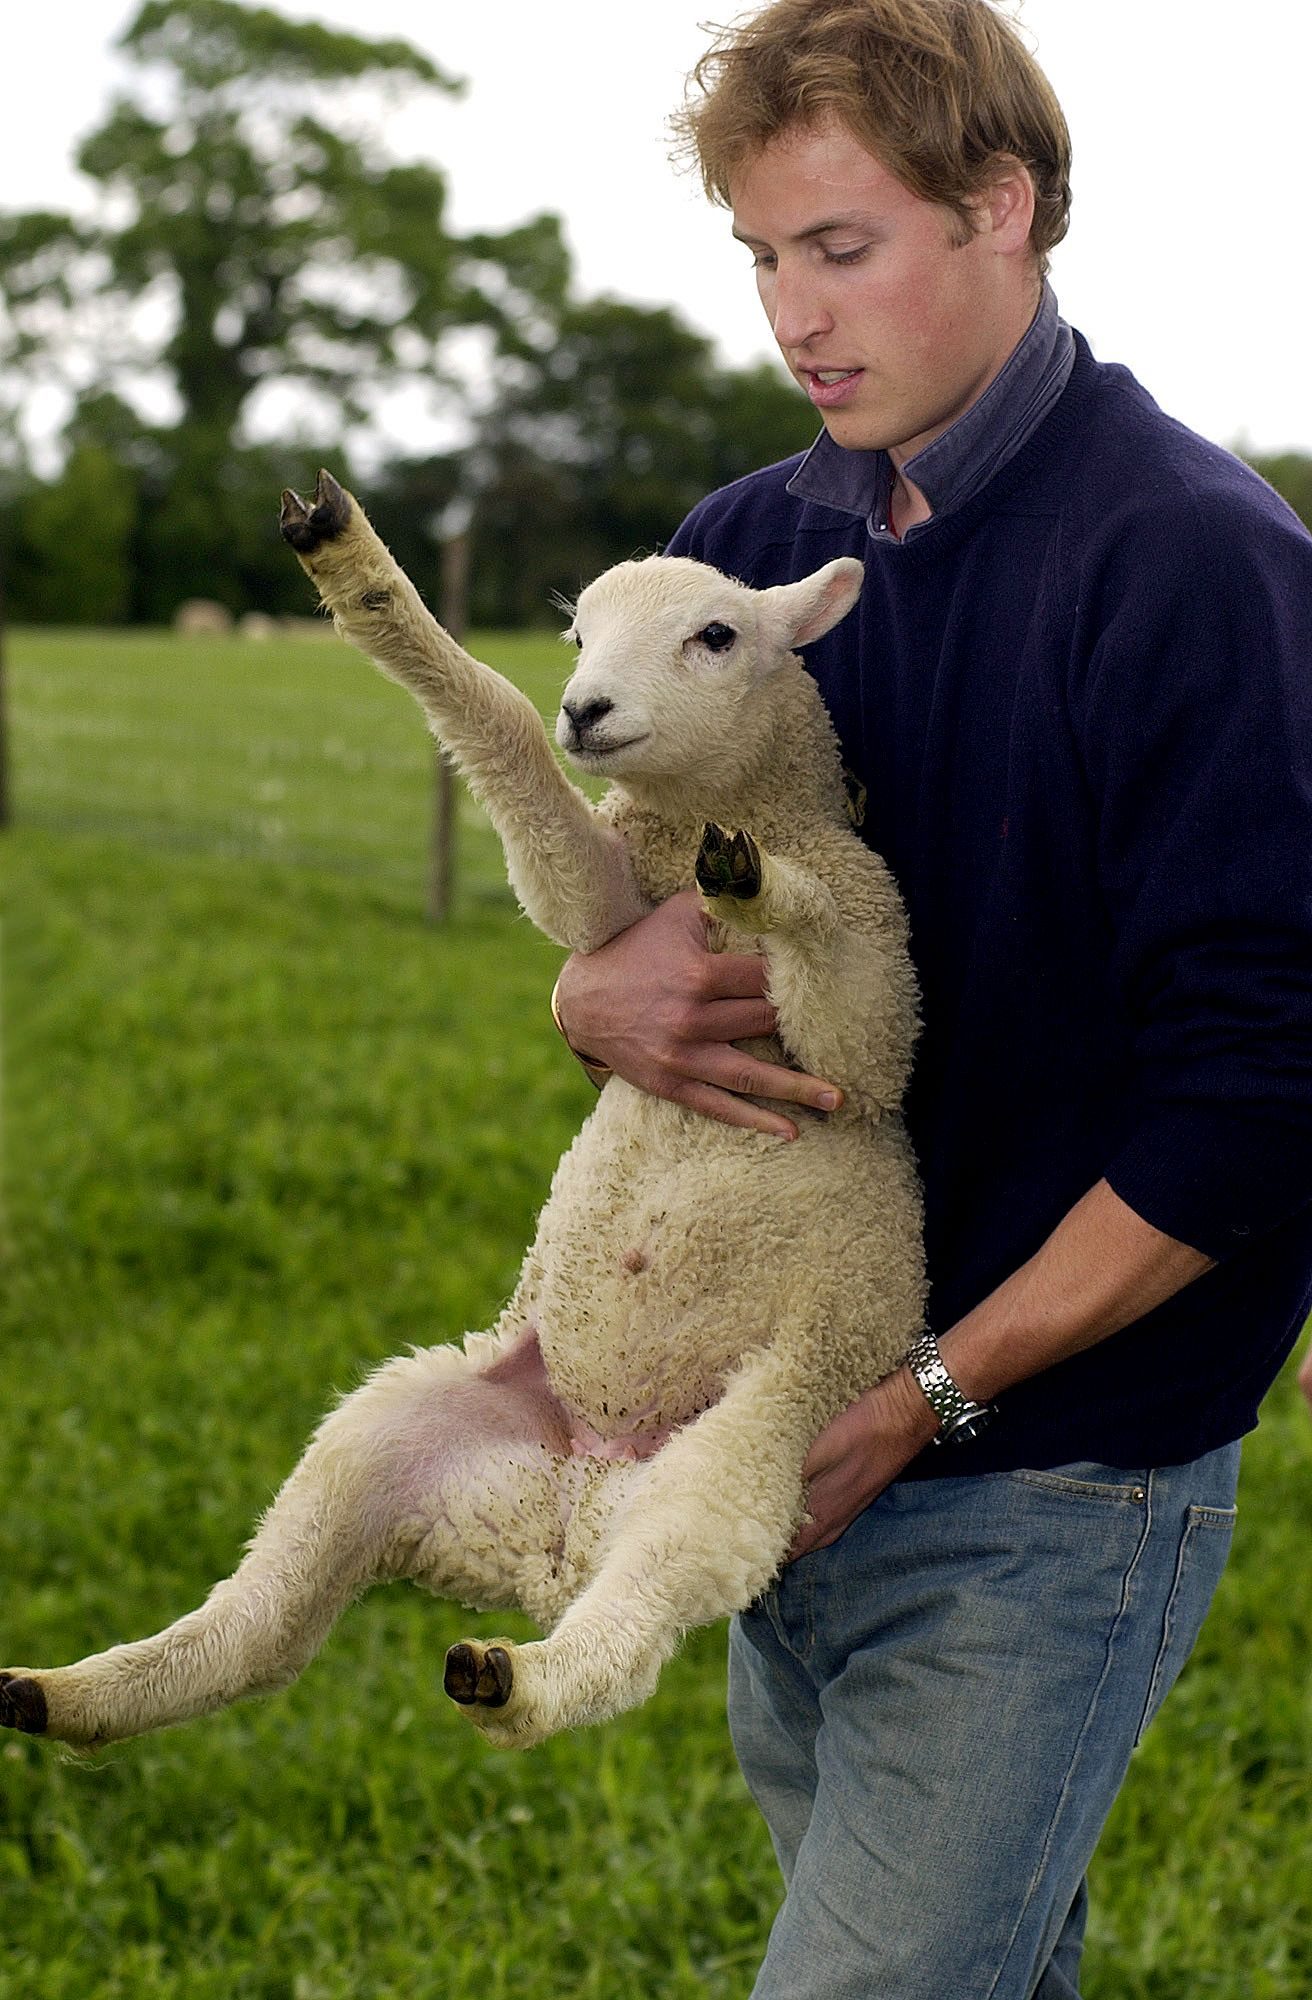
863,281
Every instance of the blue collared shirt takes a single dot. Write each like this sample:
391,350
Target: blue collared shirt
969,452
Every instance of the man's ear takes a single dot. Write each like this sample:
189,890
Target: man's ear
806,610
1005,210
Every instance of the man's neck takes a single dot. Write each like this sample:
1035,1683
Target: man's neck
898,491
907,505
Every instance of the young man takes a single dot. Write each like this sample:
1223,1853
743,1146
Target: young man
1076,691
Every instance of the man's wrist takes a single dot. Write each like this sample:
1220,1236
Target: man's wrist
911,1415
596,1072
958,1418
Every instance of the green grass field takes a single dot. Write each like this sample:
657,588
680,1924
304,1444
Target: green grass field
262,1128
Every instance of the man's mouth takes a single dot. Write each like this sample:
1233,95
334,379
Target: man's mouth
829,386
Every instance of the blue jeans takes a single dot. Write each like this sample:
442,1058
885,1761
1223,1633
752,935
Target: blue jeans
936,1713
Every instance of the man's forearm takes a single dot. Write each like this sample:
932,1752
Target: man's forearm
1102,1267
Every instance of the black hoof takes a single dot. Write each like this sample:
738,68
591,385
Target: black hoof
473,1677
728,864
22,1704
307,524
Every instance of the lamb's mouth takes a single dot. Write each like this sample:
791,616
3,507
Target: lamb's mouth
600,751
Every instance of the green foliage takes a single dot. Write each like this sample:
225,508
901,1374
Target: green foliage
140,520
599,443
263,1129
245,191
209,528
1290,472
213,43
73,542
36,251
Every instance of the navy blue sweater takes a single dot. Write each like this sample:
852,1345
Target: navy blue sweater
1081,704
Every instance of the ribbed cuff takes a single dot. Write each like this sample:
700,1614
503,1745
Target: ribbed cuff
1213,1177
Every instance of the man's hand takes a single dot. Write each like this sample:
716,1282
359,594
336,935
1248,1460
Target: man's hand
1102,1268
859,1454
662,1010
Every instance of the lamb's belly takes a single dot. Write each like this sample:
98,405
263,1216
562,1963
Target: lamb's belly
656,1279
628,1364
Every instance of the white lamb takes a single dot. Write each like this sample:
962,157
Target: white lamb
621,1455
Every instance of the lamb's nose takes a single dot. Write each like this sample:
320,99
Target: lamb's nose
584,718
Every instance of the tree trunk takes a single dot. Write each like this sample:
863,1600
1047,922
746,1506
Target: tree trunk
4,715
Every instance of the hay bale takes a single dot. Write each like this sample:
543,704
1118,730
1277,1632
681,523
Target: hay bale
202,618
257,625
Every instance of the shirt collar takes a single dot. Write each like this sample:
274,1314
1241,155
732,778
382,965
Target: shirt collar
968,454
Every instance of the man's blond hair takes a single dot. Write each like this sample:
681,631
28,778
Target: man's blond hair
940,91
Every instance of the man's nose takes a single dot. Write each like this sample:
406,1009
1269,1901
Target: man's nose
797,313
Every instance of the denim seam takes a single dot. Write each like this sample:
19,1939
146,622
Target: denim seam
1128,1495
1062,1796
770,1603
1197,1518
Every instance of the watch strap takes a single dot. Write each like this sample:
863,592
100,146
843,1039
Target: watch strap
959,1419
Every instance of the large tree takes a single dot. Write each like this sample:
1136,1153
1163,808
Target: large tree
251,227
598,444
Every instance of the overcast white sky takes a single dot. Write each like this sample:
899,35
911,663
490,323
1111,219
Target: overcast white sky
1188,253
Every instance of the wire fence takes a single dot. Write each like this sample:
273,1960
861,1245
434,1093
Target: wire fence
283,750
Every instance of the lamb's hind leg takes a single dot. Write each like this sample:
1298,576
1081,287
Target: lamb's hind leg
442,1466
698,1532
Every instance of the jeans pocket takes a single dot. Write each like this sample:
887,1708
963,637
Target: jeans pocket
787,1608
1204,1546
1086,1481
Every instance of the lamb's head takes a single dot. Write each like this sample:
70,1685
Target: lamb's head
675,660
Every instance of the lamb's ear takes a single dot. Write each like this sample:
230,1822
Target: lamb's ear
806,610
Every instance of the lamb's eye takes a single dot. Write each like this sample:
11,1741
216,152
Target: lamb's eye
718,637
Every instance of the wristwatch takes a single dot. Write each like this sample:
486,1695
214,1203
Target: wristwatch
959,1420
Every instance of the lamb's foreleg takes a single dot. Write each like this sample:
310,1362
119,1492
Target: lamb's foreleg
569,869
443,1466
699,1531
845,998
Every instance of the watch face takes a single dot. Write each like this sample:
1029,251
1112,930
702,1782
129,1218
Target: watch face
967,1432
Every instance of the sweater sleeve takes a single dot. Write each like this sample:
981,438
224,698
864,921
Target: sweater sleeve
1195,715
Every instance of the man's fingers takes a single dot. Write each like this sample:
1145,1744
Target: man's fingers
730,1110
733,975
721,1064
736,1020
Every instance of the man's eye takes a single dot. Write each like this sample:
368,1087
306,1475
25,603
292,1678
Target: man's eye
718,637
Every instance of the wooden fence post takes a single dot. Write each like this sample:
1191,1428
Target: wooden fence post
453,610
4,714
